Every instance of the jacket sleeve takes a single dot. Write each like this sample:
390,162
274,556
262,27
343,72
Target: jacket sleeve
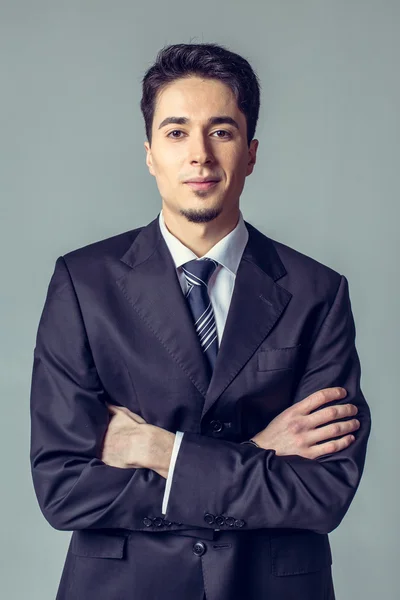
69,418
263,490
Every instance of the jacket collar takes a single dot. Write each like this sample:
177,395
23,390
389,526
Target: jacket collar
227,252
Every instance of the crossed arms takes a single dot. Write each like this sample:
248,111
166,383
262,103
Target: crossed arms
70,419
130,442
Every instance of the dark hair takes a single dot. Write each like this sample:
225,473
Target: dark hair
210,61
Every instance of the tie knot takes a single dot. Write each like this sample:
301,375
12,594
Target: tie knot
199,271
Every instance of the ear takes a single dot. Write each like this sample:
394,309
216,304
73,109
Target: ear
252,156
149,158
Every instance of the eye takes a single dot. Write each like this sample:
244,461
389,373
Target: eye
174,131
228,133
224,131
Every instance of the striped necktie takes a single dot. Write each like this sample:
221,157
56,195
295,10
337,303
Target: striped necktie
198,273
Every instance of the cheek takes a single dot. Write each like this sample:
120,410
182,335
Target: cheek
170,168
166,174
236,177
236,167
163,158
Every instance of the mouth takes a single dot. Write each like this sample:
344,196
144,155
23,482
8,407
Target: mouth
201,185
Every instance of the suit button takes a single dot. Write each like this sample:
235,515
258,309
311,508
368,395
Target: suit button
167,523
229,521
199,548
158,522
239,523
216,426
148,522
209,518
220,520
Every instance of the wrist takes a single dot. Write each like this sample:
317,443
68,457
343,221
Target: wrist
252,442
161,443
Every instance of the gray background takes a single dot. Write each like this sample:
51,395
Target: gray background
72,171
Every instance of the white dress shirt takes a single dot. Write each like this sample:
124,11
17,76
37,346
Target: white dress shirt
228,253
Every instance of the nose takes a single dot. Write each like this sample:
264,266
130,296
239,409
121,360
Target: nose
200,151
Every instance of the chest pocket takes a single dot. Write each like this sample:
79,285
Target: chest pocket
273,359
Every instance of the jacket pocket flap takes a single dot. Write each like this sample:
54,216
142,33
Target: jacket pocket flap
293,554
97,544
277,358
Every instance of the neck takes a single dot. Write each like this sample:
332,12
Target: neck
201,237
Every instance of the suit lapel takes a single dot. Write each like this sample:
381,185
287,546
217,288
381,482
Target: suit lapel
256,305
153,289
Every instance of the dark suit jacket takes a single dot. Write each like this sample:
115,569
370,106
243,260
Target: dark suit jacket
242,522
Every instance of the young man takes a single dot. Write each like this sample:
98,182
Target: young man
161,351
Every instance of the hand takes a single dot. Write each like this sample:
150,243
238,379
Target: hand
130,442
124,431
296,431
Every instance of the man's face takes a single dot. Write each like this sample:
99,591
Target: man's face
198,148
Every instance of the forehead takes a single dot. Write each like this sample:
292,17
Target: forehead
197,98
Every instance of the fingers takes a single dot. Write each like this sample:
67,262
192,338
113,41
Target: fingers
330,447
319,398
113,409
340,428
316,433
331,413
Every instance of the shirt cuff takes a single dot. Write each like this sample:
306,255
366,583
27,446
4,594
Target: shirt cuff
175,449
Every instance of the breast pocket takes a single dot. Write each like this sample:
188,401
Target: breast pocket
275,359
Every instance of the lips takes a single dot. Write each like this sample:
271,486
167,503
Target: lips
201,185
202,180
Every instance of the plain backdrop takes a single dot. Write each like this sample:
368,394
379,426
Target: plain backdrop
72,171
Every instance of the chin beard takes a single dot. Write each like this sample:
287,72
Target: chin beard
203,215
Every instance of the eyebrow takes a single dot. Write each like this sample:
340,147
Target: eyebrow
224,119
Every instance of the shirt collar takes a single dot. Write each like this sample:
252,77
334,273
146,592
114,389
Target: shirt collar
227,252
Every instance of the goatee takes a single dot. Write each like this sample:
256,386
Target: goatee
203,215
